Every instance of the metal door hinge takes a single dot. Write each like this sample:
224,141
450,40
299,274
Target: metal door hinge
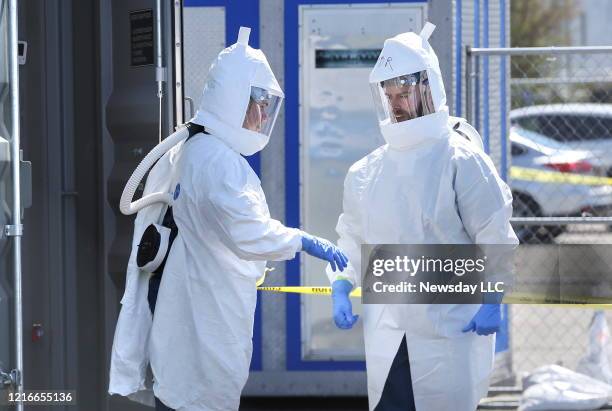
13,230
9,379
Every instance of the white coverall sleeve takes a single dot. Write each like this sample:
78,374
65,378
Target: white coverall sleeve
484,202
237,209
349,229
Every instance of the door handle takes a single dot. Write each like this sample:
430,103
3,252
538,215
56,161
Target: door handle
189,100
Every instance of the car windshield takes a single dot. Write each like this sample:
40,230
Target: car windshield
538,141
568,127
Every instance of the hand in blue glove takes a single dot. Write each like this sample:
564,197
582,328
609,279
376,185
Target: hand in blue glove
343,309
323,249
486,321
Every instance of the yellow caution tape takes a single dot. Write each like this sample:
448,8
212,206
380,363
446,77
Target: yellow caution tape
555,177
307,290
510,299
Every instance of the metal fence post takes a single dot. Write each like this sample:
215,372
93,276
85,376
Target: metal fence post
468,84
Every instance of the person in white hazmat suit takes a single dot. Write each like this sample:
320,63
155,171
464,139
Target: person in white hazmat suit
200,340
427,185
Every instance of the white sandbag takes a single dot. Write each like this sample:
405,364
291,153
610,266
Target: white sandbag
551,373
555,388
558,396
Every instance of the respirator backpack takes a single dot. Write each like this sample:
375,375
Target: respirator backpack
157,239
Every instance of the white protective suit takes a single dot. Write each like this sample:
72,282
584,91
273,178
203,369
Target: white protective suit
427,185
200,342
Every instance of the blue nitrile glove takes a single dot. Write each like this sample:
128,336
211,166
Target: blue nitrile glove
325,250
486,321
343,309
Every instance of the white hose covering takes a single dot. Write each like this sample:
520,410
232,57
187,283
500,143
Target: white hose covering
126,206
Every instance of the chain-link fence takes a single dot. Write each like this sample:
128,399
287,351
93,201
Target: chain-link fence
556,147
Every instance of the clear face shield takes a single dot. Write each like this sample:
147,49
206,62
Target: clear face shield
403,98
262,111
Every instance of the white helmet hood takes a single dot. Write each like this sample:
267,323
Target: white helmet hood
404,54
226,94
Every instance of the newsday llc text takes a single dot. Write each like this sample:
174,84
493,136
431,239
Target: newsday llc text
427,287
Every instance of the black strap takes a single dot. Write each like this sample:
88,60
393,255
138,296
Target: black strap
155,279
194,129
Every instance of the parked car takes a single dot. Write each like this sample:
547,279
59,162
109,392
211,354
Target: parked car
537,199
581,126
